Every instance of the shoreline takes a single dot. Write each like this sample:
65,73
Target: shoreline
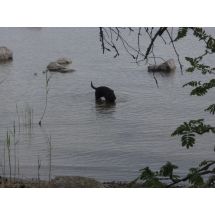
64,182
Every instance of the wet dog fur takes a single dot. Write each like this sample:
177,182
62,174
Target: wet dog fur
104,92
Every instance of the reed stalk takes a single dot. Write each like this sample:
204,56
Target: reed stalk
8,143
17,112
50,157
38,169
48,78
14,143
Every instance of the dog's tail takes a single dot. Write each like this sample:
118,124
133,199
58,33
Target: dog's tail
93,86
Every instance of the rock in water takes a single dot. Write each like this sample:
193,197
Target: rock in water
5,54
60,66
54,66
63,61
167,66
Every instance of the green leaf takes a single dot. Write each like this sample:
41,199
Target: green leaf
188,129
211,44
167,169
203,163
181,129
192,61
195,178
200,33
211,109
149,178
203,88
188,140
190,69
146,173
199,91
182,32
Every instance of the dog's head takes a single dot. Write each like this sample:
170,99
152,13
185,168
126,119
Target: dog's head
110,97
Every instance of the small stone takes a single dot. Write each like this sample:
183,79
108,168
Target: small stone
5,54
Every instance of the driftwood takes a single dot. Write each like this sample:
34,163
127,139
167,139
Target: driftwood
5,54
167,66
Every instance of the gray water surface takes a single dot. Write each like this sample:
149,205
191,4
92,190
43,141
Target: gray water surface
107,143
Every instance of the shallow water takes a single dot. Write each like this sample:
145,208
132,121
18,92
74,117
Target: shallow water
107,143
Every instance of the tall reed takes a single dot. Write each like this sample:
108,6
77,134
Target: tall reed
4,161
28,116
17,112
38,169
50,157
18,168
15,142
8,143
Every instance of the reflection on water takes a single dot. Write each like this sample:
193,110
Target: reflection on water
105,107
108,142
159,74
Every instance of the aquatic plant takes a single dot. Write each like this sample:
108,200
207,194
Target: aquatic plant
50,157
38,169
47,80
17,112
8,144
4,161
29,113
14,143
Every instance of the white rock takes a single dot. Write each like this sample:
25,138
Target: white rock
167,66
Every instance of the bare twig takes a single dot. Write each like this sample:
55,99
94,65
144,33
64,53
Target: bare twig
155,80
38,169
102,39
158,33
181,66
48,78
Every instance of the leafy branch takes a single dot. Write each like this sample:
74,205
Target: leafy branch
166,177
211,109
188,130
182,32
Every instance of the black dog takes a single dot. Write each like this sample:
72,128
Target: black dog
105,92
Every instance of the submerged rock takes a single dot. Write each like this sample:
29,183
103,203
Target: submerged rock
75,182
167,66
60,66
5,54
